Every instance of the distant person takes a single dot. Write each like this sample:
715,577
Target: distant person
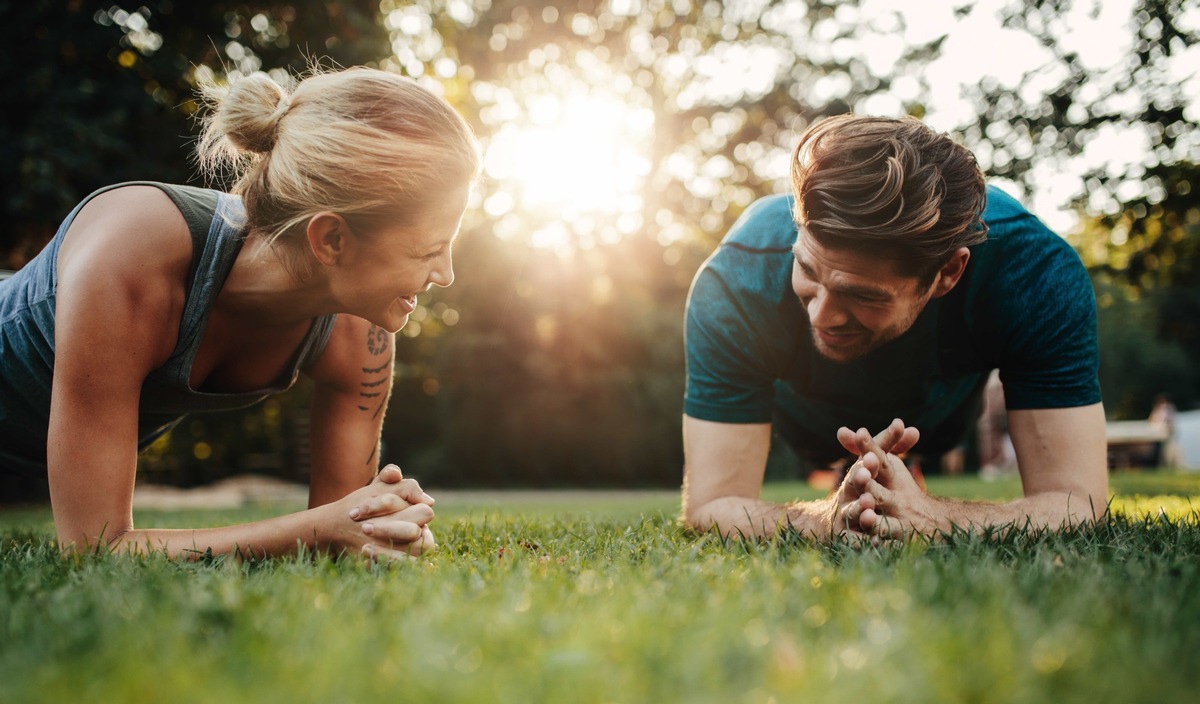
154,301
1162,416
879,295
995,448
1162,413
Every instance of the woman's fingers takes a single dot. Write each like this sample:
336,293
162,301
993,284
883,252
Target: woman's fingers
401,527
409,489
390,474
380,553
423,542
397,497
424,545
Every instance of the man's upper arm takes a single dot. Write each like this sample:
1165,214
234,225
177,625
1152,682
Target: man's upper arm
729,375
1062,450
723,460
1042,319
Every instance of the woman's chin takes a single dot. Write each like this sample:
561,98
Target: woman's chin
392,322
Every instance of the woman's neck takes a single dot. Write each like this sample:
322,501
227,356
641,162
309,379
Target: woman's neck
267,288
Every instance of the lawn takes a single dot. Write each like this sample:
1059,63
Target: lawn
601,598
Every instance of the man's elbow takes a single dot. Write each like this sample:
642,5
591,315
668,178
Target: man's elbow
697,516
1087,507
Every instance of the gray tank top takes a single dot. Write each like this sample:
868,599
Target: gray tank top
27,304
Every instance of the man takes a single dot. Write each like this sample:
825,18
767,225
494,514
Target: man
888,284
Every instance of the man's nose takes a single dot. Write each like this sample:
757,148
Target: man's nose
824,312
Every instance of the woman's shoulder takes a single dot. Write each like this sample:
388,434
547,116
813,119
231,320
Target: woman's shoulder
129,231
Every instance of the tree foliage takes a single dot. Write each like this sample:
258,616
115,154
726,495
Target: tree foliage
1145,261
104,92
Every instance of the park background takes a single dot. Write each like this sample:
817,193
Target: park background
621,140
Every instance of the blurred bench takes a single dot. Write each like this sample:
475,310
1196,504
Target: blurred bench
1135,443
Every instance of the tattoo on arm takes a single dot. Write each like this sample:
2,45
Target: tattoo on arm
373,390
379,341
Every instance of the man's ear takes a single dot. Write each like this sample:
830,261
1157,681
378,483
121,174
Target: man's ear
950,273
327,233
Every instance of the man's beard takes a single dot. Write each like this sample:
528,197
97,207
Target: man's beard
866,342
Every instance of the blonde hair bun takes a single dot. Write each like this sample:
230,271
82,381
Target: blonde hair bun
248,113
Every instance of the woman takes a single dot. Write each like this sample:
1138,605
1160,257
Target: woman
153,301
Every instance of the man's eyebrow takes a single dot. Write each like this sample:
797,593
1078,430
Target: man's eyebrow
874,294
859,291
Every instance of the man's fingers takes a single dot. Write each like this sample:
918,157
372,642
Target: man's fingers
896,439
885,470
908,439
880,525
888,437
884,526
867,500
848,440
858,476
880,494
850,515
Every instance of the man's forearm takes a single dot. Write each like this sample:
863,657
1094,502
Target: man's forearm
737,516
1052,510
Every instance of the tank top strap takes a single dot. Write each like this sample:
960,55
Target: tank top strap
315,342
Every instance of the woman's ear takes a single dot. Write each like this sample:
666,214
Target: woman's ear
327,233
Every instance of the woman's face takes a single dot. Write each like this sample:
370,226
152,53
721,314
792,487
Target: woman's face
382,272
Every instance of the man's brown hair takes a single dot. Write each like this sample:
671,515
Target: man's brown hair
887,187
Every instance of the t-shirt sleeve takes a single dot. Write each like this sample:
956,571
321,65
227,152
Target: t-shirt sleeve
728,379
1046,328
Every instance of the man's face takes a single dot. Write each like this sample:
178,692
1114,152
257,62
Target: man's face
854,302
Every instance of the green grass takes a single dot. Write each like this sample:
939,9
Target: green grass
607,600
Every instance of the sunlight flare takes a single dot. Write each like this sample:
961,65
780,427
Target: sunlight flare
579,161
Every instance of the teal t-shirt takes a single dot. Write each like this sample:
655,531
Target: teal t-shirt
1024,305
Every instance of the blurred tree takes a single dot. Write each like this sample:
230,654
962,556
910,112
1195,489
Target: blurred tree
1112,126
1116,116
1145,261
99,94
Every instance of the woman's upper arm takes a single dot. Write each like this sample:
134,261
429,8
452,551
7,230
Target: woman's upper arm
353,381
118,303
356,359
